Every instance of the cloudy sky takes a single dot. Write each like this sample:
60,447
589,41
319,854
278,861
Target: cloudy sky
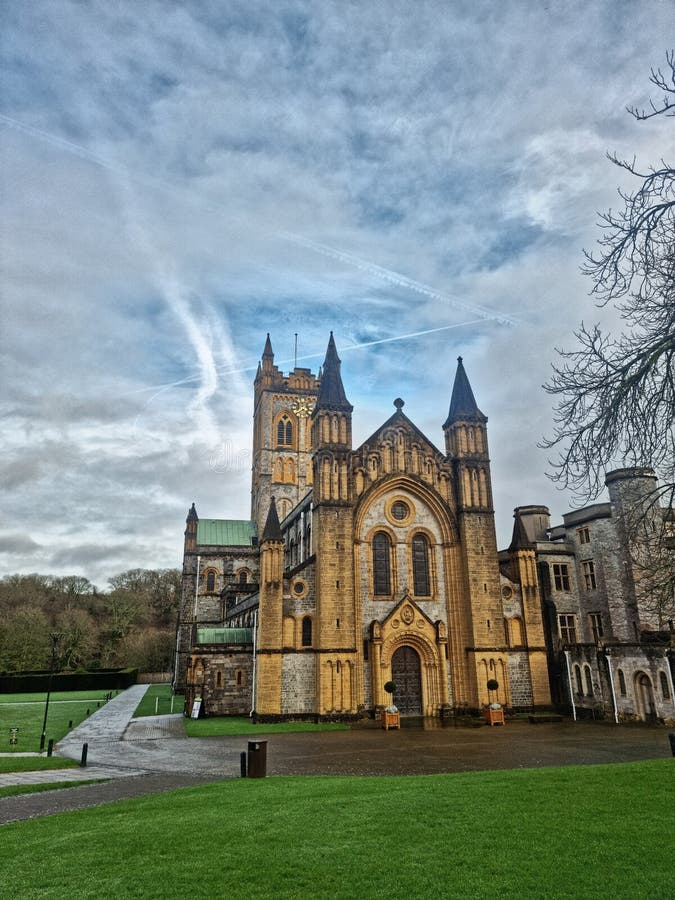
180,178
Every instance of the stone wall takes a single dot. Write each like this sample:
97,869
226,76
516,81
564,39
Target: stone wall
520,680
223,676
298,683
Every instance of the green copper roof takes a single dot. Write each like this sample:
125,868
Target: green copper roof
224,635
226,532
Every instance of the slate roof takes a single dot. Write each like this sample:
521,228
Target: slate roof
272,529
331,390
463,403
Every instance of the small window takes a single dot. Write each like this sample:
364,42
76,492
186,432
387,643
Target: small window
400,510
584,535
568,629
596,626
589,681
622,683
561,577
577,678
307,631
243,577
211,581
239,678
219,679
588,571
665,687
365,650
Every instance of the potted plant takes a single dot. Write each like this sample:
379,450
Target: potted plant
494,713
391,718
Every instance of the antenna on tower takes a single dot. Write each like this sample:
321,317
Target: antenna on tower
296,351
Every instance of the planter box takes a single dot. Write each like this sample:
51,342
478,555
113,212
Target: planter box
494,716
391,720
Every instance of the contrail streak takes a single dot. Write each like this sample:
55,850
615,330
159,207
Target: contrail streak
380,272
160,388
396,278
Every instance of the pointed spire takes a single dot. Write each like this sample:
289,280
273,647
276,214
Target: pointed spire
268,348
272,529
192,515
331,391
463,403
520,540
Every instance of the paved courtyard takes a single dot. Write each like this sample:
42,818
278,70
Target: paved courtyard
150,754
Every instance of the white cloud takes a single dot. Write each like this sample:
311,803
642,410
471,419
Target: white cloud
161,151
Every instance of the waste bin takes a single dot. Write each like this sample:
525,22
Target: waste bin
257,759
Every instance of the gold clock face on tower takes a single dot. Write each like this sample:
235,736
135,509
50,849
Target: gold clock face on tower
302,406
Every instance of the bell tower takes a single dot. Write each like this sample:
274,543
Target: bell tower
282,463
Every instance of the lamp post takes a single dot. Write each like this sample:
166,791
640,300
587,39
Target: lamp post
55,636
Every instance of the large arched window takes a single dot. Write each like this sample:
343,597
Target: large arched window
284,432
381,564
420,561
307,631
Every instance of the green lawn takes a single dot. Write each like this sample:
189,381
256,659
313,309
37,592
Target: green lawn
157,701
34,763
16,789
215,727
584,831
26,712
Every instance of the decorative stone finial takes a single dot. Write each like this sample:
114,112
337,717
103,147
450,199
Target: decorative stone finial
398,403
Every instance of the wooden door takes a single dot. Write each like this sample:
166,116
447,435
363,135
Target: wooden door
406,675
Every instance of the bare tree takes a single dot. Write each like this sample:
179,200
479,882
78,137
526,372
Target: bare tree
615,394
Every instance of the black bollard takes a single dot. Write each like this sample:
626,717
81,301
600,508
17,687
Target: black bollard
671,738
85,750
50,747
70,723
242,763
88,712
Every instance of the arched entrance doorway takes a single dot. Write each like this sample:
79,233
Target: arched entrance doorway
407,676
644,693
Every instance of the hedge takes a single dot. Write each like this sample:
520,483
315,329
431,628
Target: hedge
101,679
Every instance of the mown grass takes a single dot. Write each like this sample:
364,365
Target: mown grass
157,702
34,763
220,726
16,789
26,712
228,725
593,831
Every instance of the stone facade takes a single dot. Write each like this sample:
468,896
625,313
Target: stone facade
609,654
363,566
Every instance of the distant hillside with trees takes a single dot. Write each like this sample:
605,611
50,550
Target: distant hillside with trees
131,624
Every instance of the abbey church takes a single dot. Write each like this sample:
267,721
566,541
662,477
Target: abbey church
359,566
363,566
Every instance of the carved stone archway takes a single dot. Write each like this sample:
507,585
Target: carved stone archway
408,626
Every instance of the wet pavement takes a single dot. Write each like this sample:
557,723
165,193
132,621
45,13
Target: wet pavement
150,754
